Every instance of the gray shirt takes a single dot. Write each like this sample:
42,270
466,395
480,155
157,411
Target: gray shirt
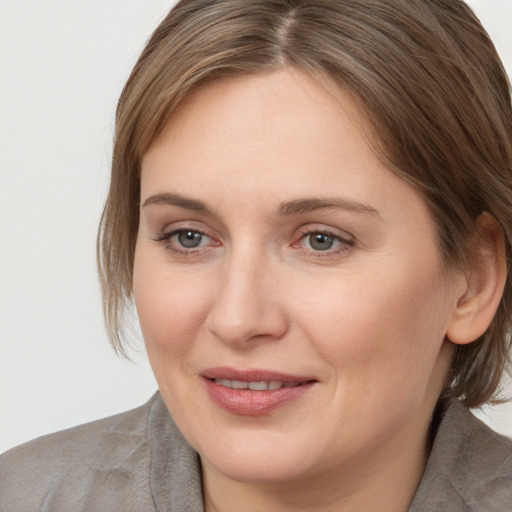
139,461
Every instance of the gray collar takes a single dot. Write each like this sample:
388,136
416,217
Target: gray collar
469,468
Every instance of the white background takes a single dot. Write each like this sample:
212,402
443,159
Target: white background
62,66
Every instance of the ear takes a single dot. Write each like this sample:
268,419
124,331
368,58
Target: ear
484,283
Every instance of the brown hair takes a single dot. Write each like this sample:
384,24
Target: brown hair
424,72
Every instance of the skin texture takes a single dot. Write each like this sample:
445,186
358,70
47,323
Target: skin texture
367,319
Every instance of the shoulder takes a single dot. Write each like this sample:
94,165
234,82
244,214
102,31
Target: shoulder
59,471
469,469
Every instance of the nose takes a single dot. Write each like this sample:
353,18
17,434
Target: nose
247,308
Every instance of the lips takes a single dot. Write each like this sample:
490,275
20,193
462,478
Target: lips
254,392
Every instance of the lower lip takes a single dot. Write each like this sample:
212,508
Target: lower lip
245,402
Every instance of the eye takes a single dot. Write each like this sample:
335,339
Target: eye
321,241
185,241
189,239
318,241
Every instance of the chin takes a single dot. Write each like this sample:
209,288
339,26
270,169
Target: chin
264,470
263,459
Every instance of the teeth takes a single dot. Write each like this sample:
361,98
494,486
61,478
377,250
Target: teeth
255,386
258,386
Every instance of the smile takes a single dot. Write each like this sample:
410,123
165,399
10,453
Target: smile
256,386
254,392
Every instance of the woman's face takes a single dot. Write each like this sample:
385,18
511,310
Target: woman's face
289,287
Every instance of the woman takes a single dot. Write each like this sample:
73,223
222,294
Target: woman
310,206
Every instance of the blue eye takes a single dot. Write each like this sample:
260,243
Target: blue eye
321,241
189,239
326,243
186,242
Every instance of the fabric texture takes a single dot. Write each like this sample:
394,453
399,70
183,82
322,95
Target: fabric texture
139,461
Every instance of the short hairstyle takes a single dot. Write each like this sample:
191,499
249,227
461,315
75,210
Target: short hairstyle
425,74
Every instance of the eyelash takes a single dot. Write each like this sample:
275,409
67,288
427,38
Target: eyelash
344,243
166,240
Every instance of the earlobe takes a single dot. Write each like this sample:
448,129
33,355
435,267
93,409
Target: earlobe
484,283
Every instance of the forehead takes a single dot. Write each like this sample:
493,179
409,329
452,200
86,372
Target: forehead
270,138
245,113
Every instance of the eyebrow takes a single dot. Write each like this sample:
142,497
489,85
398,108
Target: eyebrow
301,206
295,207
177,200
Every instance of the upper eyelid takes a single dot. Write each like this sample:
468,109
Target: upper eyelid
346,240
300,232
340,239
173,227
166,240
316,228
170,233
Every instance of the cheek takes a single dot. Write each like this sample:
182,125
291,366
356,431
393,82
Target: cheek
171,304
382,327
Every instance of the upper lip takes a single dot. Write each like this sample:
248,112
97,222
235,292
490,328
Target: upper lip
253,375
